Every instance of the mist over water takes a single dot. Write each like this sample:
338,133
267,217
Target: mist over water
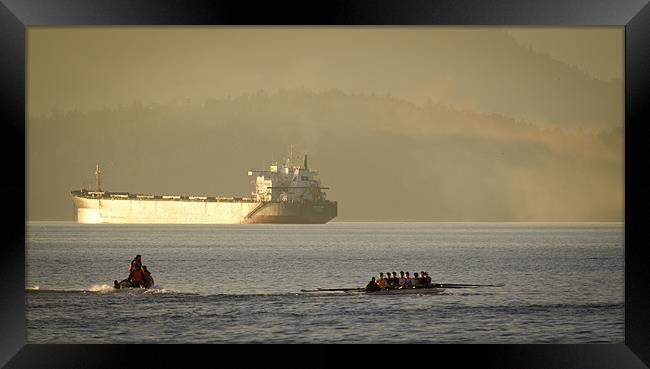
563,283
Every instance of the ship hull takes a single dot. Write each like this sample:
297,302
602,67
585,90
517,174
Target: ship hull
295,213
129,210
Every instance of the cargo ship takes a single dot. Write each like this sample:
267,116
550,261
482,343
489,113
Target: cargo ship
285,194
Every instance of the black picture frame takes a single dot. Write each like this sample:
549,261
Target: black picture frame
634,15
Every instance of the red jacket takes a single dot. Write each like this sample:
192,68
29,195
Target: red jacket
137,276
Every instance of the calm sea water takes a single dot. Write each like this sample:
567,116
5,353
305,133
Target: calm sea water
563,283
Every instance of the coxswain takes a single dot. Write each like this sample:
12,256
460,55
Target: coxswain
372,285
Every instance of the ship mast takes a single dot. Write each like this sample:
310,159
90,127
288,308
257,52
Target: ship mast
290,164
97,173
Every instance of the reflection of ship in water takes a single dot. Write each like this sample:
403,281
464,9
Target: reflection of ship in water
283,194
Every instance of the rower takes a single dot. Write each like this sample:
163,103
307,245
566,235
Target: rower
402,279
391,280
381,282
407,281
415,281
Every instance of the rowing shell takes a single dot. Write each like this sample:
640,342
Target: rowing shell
396,291
433,288
407,291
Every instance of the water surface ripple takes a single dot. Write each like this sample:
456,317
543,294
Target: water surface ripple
563,283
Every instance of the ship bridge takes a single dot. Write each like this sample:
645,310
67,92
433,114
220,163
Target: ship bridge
288,183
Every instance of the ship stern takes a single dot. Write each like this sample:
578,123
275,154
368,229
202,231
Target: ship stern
295,213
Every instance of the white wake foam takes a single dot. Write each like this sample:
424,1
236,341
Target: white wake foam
100,288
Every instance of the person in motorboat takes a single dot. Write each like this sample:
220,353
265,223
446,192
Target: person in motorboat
135,263
372,286
140,277
136,277
126,283
148,279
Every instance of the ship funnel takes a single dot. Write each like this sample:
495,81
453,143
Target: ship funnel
306,168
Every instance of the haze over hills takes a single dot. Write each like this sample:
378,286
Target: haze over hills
486,69
384,158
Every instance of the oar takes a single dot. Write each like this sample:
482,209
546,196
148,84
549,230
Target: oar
334,289
463,285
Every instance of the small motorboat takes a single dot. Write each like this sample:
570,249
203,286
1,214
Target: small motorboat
146,280
126,284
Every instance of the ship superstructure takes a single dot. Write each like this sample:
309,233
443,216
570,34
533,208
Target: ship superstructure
288,183
283,194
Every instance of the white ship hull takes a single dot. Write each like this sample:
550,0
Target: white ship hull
94,211
132,210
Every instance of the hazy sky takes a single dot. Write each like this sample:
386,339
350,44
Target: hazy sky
440,123
596,50
469,67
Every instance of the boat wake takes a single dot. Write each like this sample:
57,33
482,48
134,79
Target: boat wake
105,289
100,289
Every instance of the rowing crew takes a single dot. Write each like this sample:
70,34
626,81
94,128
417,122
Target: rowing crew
403,281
